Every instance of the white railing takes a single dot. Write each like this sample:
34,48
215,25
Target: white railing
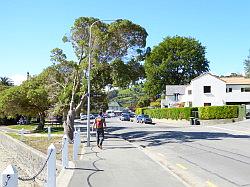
10,175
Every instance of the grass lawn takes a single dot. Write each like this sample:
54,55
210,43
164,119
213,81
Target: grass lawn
42,143
32,127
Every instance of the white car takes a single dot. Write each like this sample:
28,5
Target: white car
83,116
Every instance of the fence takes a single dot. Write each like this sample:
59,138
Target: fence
10,175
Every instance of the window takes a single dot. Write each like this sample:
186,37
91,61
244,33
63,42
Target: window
176,96
229,90
190,104
245,89
207,104
189,92
207,89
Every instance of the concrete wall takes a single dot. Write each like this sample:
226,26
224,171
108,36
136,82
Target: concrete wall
28,158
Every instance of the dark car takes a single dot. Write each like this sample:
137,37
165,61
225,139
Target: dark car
143,119
125,117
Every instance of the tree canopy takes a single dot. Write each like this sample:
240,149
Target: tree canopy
29,99
247,66
5,81
176,60
112,46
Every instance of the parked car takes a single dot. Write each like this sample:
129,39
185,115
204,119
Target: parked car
132,115
83,116
104,115
125,117
143,119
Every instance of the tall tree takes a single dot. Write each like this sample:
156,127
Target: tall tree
30,98
109,42
5,81
176,60
247,65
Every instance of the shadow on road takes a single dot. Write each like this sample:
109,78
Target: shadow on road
155,138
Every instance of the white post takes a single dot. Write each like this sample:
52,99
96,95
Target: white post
22,134
51,166
92,128
75,145
49,132
9,177
65,160
79,137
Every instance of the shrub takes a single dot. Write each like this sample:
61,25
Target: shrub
155,104
139,111
218,112
169,113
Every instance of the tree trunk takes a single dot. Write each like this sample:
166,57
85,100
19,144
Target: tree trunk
42,121
69,125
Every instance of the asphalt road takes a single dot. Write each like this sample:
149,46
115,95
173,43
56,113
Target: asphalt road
214,155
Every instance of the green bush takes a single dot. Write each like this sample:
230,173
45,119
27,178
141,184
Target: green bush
139,111
156,104
169,113
218,112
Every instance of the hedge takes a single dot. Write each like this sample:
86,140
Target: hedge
208,112
219,112
167,113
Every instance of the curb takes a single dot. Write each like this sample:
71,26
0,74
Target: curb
65,176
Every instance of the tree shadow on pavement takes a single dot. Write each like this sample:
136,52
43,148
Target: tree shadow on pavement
155,138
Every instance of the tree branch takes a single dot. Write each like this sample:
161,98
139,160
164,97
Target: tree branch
80,103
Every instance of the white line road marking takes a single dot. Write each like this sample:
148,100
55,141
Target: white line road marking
181,166
210,184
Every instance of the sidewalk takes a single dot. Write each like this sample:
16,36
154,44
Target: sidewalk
119,164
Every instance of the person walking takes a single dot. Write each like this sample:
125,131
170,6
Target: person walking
99,125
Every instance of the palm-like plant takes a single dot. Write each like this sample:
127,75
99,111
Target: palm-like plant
6,81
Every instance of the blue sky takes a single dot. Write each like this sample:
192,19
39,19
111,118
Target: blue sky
31,29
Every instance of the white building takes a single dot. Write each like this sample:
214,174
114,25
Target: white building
209,90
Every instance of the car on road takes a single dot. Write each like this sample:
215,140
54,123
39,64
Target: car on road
83,116
125,117
142,118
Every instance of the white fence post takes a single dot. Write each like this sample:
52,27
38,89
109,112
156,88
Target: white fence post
75,145
79,137
10,177
51,167
49,132
65,160
22,134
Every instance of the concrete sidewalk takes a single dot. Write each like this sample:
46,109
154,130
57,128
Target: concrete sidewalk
119,164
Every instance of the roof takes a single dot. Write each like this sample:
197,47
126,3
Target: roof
236,80
172,89
207,74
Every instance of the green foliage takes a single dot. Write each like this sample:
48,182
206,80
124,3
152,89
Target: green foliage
170,113
5,81
176,60
139,111
210,112
30,98
129,97
109,42
247,66
218,112
156,104
144,101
